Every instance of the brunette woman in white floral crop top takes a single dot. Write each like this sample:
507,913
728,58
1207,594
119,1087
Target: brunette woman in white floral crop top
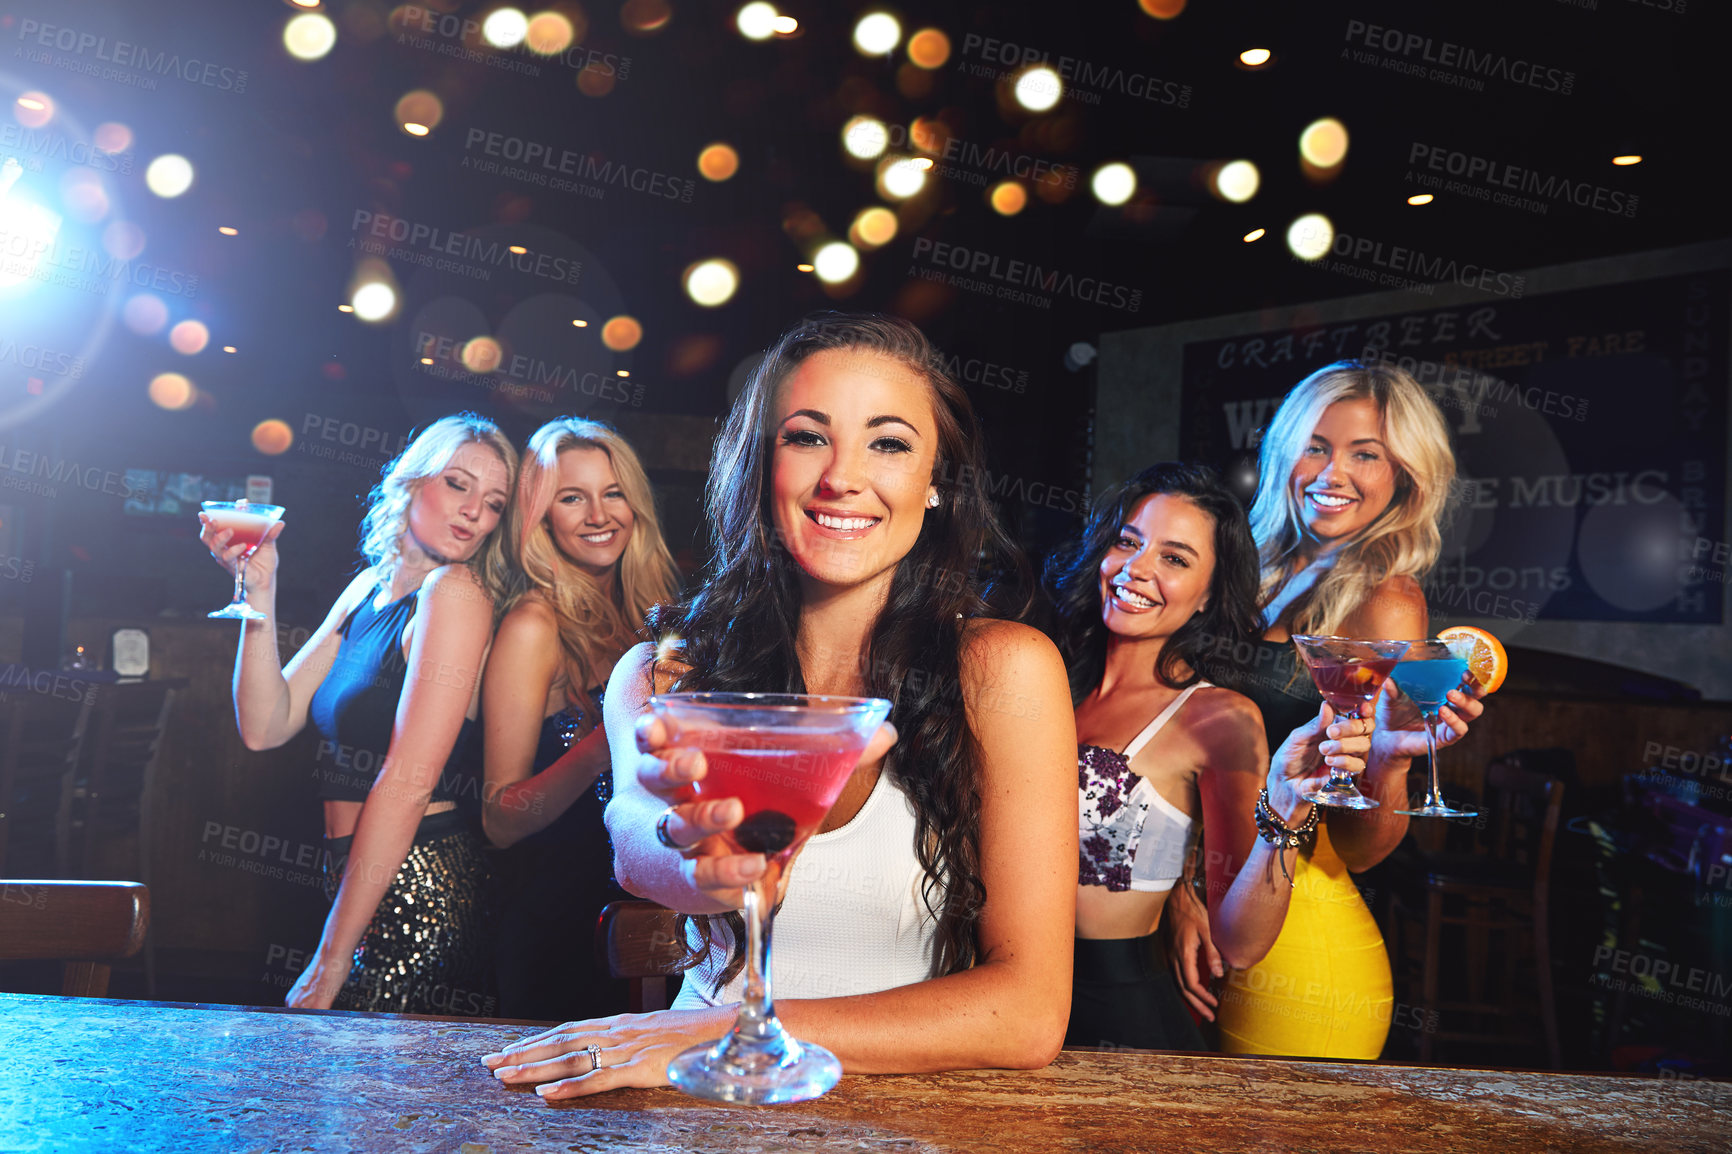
1151,599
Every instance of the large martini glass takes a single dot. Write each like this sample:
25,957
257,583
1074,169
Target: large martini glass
1348,672
786,757
1426,674
249,522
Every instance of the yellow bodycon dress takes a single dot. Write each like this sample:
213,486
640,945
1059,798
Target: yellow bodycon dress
1324,989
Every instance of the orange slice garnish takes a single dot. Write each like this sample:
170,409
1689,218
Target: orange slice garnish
1486,658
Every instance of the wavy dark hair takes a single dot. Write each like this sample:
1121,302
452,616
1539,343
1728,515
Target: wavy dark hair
1195,650
737,632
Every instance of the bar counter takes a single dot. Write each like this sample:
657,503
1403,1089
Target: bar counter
104,1075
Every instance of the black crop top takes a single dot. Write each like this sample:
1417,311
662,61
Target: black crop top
355,707
1272,676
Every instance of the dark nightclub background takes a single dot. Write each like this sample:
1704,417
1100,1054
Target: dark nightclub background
247,249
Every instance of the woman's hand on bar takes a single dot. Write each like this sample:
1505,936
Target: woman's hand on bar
319,983
635,1051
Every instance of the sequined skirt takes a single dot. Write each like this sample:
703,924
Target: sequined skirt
427,949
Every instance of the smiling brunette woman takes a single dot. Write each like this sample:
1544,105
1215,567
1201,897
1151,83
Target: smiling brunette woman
404,869
1354,474
928,924
590,562
1164,570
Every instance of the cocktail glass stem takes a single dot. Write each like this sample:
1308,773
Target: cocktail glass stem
238,609
1434,784
757,1020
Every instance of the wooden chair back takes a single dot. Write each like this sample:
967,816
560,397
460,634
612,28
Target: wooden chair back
118,769
1526,808
41,735
640,942
83,925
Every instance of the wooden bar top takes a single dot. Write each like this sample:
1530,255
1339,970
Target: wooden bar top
102,1075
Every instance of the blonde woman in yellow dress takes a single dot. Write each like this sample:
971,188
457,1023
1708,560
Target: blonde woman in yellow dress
1354,473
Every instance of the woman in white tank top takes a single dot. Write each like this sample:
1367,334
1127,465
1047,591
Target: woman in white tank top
1161,574
928,924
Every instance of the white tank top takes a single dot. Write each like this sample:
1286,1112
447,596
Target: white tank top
853,922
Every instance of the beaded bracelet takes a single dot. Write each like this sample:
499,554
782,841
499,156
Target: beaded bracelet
1277,833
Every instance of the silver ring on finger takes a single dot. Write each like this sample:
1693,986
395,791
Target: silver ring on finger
662,834
594,1053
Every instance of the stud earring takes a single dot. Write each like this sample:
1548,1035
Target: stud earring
932,500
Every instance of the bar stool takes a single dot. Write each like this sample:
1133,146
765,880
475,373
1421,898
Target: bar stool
83,925
640,942
1504,889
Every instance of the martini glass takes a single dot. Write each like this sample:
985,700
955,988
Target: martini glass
1347,672
786,756
1426,674
249,523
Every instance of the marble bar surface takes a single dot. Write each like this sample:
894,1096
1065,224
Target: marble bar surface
107,1075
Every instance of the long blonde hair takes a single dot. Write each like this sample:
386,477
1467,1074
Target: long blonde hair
387,519
1404,540
593,632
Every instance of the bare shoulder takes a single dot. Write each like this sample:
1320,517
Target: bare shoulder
1396,608
1229,726
988,644
532,618
1011,671
454,591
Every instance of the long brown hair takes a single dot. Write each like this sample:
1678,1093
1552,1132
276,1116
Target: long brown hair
738,631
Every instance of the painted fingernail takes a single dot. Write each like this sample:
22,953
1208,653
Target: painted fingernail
544,1088
502,1071
489,1059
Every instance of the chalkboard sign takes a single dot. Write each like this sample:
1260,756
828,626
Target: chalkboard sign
1589,429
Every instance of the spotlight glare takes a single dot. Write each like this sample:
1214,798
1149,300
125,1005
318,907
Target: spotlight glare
169,175
505,28
1310,236
1114,183
1324,142
1038,89
756,21
865,137
877,34
711,283
1238,181
836,262
309,36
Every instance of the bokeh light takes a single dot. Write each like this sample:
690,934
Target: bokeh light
1309,237
1420,198
594,81
1161,9
122,240
836,262
877,34
1038,89
227,231
1254,57
1254,235
419,112
902,177
272,437
309,35
711,282
621,333
874,227
1324,142
169,175
1626,161
374,301
1113,183
929,48
189,338
172,391
481,355
33,109
1237,181
113,136
505,28
1008,197
84,195
549,33
144,314
718,162
645,16
865,137
785,25
756,21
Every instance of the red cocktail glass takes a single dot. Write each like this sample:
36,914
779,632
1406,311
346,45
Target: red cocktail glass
786,757
249,522
1348,672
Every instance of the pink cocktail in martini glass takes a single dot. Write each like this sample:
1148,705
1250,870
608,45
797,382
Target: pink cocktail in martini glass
249,522
1348,673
